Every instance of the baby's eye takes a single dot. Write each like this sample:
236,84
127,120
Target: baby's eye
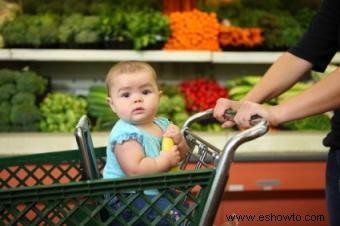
146,91
125,95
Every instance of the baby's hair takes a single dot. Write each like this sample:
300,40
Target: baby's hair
128,67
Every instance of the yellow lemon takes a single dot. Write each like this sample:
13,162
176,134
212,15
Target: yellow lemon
167,144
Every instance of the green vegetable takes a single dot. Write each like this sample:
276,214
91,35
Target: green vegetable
29,30
5,108
14,32
177,103
164,106
6,76
25,116
98,109
6,91
77,28
18,95
316,122
113,26
29,81
147,27
23,98
61,112
88,30
179,118
316,76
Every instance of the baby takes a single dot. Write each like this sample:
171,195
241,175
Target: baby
134,142
134,146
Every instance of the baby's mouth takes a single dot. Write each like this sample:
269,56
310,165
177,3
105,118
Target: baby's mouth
138,110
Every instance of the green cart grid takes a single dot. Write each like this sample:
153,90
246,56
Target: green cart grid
65,188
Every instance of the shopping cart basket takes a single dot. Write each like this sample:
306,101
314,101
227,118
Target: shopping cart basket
65,188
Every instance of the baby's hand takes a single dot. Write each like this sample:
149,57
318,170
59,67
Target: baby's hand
174,132
173,156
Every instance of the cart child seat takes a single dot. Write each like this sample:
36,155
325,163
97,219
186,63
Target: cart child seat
198,192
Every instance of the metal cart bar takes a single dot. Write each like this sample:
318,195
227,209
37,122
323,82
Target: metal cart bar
85,144
223,159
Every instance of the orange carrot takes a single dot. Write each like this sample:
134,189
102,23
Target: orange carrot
193,30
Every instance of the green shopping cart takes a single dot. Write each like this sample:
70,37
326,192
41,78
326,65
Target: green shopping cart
65,188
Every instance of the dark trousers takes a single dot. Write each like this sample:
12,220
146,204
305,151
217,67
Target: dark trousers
333,187
139,203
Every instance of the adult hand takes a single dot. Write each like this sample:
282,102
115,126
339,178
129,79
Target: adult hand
223,104
245,110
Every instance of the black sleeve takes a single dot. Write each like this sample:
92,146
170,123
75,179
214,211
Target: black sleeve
321,41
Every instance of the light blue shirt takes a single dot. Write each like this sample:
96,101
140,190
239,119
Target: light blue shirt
123,131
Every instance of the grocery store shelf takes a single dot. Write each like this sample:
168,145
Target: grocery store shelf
278,143
81,55
245,57
72,55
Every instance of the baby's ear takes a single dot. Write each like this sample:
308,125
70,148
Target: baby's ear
110,103
160,92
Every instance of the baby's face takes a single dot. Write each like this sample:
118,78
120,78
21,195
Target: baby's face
134,97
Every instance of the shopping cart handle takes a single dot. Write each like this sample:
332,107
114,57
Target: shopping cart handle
229,114
259,127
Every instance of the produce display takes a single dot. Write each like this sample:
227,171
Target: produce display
61,112
19,97
202,94
99,26
8,11
172,105
199,25
98,109
233,36
193,30
239,87
26,105
282,22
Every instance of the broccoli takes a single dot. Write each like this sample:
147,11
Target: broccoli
6,76
23,97
79,29
28,81
6,92
88,30
18,92
4,115
25,116
42,30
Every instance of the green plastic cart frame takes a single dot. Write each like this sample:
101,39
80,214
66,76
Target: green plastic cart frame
65,188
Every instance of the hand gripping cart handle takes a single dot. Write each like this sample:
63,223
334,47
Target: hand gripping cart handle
221,158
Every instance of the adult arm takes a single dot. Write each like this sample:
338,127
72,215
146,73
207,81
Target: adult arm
285,72
321,97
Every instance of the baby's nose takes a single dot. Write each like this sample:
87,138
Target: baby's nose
138,98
